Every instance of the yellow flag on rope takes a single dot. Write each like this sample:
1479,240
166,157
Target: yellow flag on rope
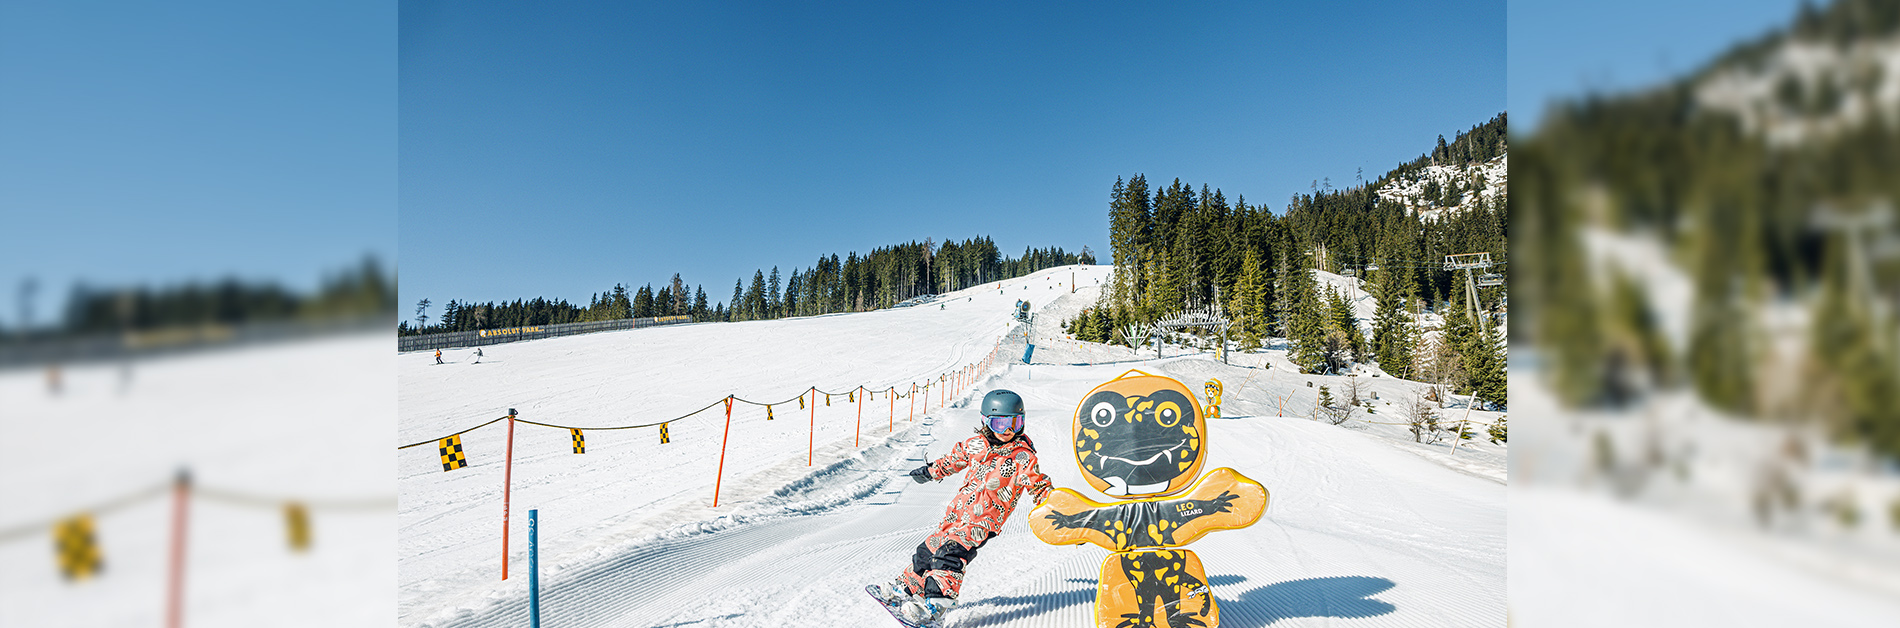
827,400
851,396
452,456
580,441
297,522
664,439
768,412
77,548
801,402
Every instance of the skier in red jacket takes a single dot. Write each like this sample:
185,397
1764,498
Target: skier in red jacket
1001,463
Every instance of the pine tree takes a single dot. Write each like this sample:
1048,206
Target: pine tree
682,300
620,304
1485,364
1392,339
1283,297
1455,350
643,302
755,297
738,297
1346,322
1251,300
1306,326
773,306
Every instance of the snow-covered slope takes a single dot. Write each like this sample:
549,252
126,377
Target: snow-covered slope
1803,91
1470,183
303,421
1364,528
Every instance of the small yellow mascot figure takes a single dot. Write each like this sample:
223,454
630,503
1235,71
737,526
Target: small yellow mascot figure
1141,439
1213,389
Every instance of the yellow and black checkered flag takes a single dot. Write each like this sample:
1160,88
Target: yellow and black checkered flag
580,441
801,402
78,548
452,456
827,400
768,412
297,521
664,439
851,396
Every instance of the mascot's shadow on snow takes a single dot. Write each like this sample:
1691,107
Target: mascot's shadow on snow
1031,605
1346,597
1343,597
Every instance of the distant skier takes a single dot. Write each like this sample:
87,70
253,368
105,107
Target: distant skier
1002,466
478,355
438,356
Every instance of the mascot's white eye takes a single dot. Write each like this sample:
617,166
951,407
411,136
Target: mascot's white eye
1103,414
1168,415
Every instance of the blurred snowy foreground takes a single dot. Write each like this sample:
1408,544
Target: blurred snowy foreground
257,428
1365,527
1674,514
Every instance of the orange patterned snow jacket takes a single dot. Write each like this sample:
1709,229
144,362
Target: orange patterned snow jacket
997,476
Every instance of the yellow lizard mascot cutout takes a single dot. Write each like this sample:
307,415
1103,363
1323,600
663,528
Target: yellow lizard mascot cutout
1141,439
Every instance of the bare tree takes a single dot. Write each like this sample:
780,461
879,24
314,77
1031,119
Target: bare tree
1353,390
1422,417
1332,410
1443,369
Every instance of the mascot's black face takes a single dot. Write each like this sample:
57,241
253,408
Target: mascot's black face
1139,437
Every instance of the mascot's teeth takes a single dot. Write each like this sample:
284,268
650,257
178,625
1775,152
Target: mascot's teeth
1145,489
1119,486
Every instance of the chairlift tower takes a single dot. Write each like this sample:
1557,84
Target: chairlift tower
1469,262
1876,220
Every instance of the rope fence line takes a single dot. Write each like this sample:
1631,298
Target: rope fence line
958,380
107,506
574,427
80,556
951,377
235,498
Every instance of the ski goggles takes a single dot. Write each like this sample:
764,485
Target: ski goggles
1005,422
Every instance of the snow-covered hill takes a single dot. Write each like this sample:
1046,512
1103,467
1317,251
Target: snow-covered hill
1803,90
1365,527
1468,184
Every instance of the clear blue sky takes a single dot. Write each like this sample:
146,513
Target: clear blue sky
1563,49
158,142
554,150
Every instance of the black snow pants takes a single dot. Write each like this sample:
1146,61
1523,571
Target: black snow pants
940,573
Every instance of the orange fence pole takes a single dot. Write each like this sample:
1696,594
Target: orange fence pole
913,403
175,590
812,432
859,430
717,479
892,395
507,485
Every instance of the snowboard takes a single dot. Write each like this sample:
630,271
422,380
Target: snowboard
892,608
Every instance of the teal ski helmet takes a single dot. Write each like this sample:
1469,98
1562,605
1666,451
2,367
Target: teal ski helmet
1003,411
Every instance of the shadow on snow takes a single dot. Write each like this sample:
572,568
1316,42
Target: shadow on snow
1345,597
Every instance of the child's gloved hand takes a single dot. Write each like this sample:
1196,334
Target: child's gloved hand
921,474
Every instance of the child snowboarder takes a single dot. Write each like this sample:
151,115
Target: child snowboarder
1002,466
438,356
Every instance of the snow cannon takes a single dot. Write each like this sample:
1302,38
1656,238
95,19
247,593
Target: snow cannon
1141,439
